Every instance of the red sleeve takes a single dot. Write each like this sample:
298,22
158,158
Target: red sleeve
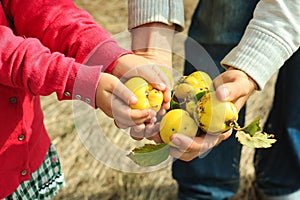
63,27
27,64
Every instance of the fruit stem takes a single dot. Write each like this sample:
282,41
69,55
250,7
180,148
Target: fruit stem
234,124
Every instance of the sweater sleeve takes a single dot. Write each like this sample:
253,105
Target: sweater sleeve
271,37
146,11
63,27
26,64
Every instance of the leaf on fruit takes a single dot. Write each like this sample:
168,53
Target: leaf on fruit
150,154
258,140
174,105
251,128
201,94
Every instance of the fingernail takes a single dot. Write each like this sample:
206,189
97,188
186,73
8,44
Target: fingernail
223,92
137,129
151,113
153,120
133,100
162,86
175,140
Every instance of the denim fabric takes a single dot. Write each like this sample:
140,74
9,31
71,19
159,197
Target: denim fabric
218,25
278,168
221,21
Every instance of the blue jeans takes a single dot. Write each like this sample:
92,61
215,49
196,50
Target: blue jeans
216,176
278,168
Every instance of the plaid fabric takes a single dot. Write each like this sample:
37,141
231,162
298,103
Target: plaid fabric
45,182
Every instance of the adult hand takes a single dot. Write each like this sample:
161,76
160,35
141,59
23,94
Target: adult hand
111,91
234,85
153,41
149,131
131,65
189,148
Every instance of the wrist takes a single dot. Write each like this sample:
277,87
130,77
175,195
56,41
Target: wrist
114,64
153,36
252,83
126,63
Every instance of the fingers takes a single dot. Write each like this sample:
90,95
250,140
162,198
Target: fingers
185,156
189,148
229,86
155,76
234,92
225,135
121,91
200,144
167,99
160,80
114,98
149,131
139,124
127,117
230,91
235,86
141,116
137,132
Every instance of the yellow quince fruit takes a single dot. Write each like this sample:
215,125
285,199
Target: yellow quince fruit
177,121
215,116
192,84
148,97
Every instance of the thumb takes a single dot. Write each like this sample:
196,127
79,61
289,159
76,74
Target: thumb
125,94
229,91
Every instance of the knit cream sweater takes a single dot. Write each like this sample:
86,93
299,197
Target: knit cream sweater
270,38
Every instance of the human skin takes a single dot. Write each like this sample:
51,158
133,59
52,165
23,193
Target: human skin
111,91
232,85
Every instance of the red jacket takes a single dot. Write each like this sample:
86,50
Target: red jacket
40,53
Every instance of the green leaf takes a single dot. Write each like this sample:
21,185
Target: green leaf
174,105
201,94
252,128
150,154
258,140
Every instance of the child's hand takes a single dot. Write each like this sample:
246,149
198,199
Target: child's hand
149,131
130,65
114,98
160,77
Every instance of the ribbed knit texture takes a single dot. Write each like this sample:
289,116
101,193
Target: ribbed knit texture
271,37
258,54
145,11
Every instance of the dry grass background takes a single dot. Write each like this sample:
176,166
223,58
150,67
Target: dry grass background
86,177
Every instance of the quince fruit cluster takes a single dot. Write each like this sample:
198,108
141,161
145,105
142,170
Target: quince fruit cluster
194,94
196,111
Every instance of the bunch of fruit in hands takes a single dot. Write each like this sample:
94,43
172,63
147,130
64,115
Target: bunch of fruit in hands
194,111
